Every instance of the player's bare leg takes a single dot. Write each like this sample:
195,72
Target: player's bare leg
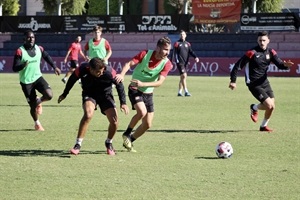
88,109
141,112
146,124
268,105
112,117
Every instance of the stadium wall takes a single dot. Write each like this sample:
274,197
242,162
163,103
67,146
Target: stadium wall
206,67
217,52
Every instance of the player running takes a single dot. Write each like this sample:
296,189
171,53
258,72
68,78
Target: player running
150,70
257,61
27,61
96,82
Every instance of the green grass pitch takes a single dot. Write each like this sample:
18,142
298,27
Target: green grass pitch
175,159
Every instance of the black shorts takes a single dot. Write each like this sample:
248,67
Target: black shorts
262,92
29,90
74,64
105,102
181,68
136,96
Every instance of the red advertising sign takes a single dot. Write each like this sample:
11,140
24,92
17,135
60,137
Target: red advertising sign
206,67
216,11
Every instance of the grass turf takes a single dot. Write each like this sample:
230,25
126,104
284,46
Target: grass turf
175,158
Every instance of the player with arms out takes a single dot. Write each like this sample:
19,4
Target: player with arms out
27,61
96,81
257,61
150,71
73,52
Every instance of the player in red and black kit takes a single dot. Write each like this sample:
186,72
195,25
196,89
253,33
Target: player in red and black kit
96,82
27,61
181,52
257,61
73,52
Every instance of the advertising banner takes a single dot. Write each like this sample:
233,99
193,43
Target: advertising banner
216,11
270,22
85,24
157,23
34,23
206,67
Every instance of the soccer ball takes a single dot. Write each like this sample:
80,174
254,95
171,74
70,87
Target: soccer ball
224,150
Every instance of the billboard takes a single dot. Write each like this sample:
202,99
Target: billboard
216,11
85,24
269,22
206,66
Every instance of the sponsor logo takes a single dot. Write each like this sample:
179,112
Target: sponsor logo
298,70
2,63
156,23
34,25
245,19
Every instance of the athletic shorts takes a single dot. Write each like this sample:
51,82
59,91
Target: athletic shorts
105,102
262,92
74,64
181,68
29,90
136,96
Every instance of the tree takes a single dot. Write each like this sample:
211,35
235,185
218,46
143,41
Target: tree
178,5
10,7
68,7
97,7
133,7
74,7
265,6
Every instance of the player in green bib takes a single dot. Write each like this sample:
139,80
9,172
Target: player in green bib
150,70
98,46
27,61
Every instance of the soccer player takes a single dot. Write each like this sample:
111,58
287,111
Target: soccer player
98,46
150,71
27,61
73,52
257,61
96,82
182,50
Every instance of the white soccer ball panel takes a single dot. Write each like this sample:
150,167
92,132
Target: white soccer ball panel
224,150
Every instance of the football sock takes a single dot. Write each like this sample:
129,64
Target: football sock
37,122
132,139
264,122
186,90
128,131
38,101
108,140
254,107
79,141
179,91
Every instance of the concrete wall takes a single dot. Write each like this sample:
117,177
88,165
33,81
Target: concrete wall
34,6
126,45
291,4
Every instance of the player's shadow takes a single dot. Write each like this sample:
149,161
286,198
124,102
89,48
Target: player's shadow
47,153
35,152
193,131
13,105
16,130
206,157
16,105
